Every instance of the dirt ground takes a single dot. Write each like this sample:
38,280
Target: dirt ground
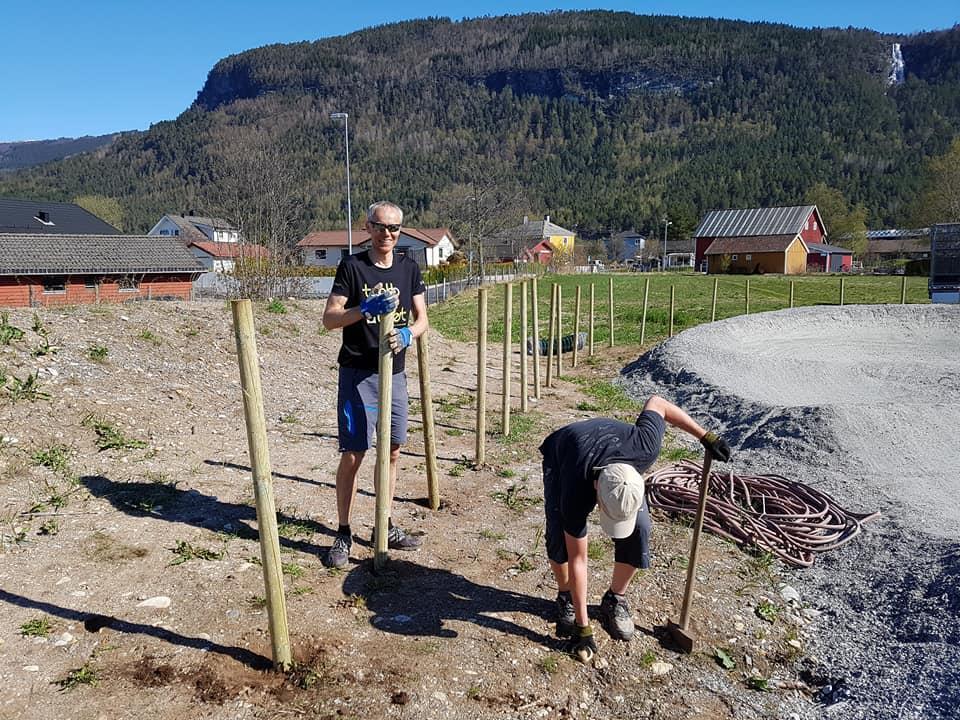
130,582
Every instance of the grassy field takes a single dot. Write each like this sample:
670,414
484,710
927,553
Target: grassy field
457,318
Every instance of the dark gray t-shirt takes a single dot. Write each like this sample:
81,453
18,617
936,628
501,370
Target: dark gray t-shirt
573,452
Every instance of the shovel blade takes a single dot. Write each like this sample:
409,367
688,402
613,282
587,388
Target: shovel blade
683,638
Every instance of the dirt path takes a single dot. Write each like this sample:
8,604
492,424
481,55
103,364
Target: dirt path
129,578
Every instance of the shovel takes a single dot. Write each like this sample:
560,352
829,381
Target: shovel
682,635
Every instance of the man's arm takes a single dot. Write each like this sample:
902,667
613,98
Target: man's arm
336,315
680,420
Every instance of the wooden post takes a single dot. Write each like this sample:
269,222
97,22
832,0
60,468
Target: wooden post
523,347
507,351
381,473
746,297
576,325
536,338
426,414
672,302
559,330
643,318
550,334
903,290
791,293
610,295
592,307
262,481
842,279
480,454
713,305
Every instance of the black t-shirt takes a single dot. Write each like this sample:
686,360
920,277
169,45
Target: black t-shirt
574,451
356,277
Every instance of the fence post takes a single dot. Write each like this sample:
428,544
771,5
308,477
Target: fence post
842,279
713,306
507,351
550,334
381,474
610,295
576,326
903,290
643,318
262,481
592,307
791,293
559,330
523,347
672,298
480,454
426,414
746,297
536,337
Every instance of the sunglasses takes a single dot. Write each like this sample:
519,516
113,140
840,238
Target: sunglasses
384,226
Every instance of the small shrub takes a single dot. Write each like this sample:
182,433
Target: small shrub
767,611
38,627
8,332
109,437
550,663
97,353
186,551
26,389
292,569
55,457
150,337
515,499
277,307
85,675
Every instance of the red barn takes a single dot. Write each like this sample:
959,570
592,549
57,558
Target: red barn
38,269
788,223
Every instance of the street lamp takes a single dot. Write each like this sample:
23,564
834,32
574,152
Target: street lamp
666,224
346,144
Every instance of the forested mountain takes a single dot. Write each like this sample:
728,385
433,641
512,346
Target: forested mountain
607,120
14,155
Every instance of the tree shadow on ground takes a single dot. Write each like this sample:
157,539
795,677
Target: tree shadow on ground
410,599
93,622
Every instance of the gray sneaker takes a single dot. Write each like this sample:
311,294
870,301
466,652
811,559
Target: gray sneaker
615,616
566,618
339,554
397,539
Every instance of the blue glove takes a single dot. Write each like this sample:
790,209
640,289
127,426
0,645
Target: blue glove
379,303
400,338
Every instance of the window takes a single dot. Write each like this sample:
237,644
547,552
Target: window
749,257
55,284
343,253
321,253
91,283
128,283
733,257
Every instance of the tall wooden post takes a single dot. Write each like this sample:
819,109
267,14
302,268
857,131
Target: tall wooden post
791,293
262,481
426,414
480,454
551,336
903,290
592,308
381,473
746,297
507,352
842,279
559,330
643,317
713,305
524,406
576,326
610,306
672,301
536,338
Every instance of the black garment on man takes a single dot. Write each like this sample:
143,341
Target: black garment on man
356,277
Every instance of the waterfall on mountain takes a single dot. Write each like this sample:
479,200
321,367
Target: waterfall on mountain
896,74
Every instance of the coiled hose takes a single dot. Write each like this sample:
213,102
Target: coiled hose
786,518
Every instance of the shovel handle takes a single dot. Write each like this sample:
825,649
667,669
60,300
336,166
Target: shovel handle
695,544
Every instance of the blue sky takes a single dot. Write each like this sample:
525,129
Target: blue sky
88,68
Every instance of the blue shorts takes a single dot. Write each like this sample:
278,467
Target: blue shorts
358,404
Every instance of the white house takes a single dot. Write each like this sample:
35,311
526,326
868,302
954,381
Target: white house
195,227
326,248
428,246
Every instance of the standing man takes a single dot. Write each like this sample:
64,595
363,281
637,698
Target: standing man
598,462
367,285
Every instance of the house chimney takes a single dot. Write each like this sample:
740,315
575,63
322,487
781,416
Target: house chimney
525,219
547,218
43,216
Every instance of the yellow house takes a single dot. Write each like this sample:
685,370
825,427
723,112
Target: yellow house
530,234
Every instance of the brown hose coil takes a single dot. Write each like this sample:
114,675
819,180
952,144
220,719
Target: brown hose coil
786,518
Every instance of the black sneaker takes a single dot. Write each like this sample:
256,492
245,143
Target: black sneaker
397,539
339,553
615,616
566,618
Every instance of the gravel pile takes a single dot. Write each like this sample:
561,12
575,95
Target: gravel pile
862,402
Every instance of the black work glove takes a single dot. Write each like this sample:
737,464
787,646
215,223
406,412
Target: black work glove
582,645
716,445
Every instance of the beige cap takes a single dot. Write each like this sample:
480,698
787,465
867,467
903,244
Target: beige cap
619,497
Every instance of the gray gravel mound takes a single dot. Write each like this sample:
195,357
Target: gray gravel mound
862,402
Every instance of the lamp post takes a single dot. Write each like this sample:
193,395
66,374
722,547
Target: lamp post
346,144
666,224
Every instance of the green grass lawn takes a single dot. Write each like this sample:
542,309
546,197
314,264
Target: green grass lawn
457,318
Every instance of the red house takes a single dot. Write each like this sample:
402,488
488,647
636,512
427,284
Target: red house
803,221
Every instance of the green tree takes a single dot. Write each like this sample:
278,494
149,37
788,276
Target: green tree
847,226
940,199
106,208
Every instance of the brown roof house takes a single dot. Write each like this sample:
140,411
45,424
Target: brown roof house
215,242
40,269
427,246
